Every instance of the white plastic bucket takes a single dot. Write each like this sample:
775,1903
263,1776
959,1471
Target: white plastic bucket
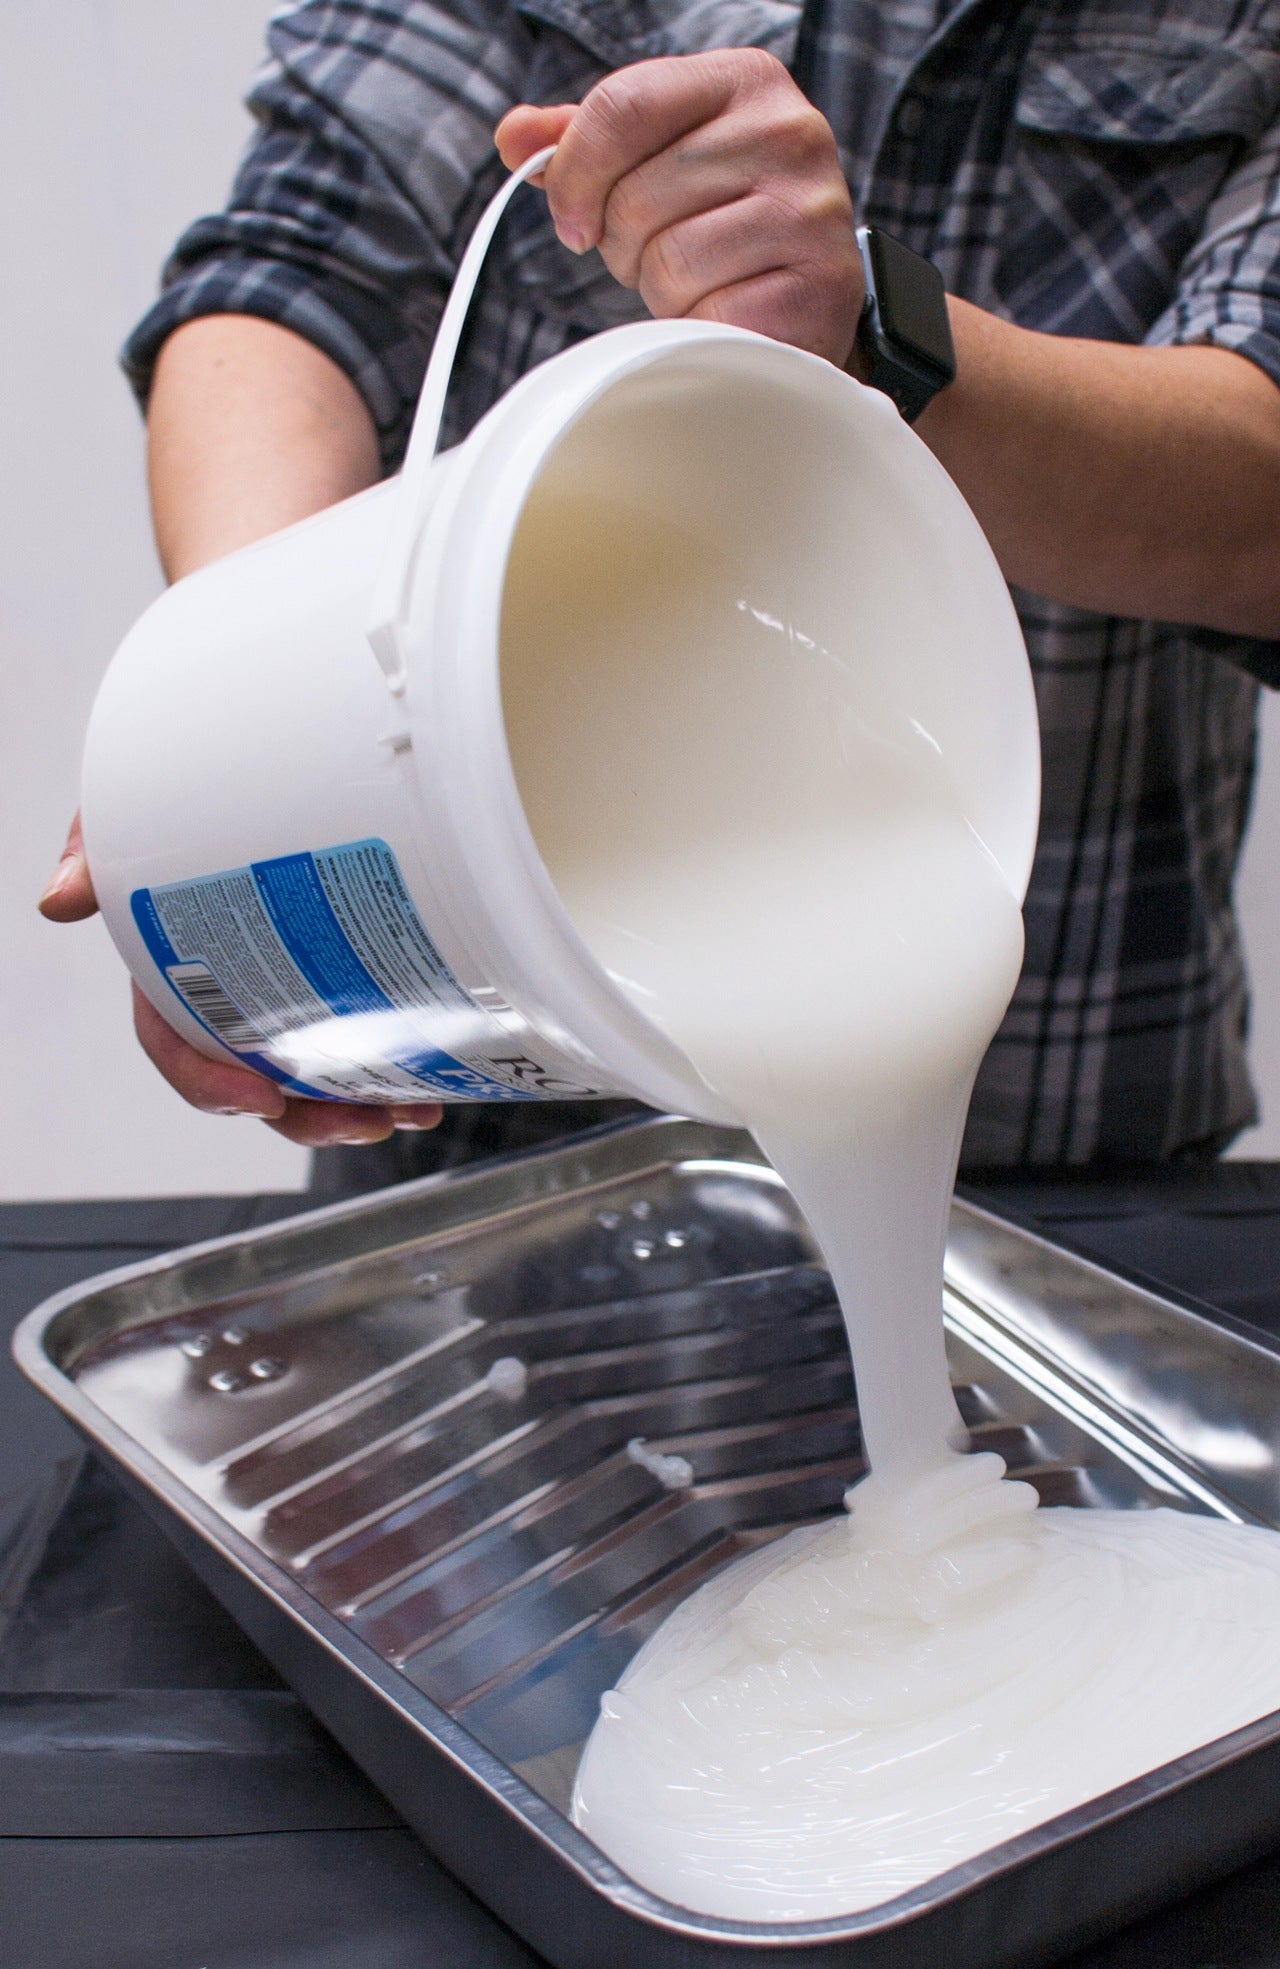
319,861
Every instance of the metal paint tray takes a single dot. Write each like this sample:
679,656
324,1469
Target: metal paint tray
450,1566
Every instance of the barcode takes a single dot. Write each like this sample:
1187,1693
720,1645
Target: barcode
206,998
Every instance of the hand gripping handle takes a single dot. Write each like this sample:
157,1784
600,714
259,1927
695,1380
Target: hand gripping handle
388,613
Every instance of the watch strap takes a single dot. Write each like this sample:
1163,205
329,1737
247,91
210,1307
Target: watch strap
910,387
910,375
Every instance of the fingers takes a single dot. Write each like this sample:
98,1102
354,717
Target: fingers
527,129
418,1118
328,1124
214,1086
69,897
219,1087
783,185
636,114
714,188
684,264
657,198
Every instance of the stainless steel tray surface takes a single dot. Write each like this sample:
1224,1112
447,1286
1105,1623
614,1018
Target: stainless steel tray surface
399,1438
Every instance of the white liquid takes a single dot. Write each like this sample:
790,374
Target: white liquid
798,1741
785,882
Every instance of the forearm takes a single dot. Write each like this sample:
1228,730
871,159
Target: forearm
249,428
1135,481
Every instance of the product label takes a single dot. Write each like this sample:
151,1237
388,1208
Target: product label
318,971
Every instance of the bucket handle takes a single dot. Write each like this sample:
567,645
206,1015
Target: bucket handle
389,608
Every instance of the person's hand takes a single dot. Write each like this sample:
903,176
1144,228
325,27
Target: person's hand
713,187
216,1086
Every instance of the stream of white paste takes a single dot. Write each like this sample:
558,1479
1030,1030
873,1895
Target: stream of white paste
788,886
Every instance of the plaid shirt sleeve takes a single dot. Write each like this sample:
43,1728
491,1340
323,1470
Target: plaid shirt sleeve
1229,284
328,230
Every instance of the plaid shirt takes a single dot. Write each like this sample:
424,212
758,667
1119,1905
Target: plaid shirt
1102,168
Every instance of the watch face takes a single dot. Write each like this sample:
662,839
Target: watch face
912,302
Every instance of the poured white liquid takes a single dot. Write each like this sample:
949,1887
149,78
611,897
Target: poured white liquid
772,860
804,1738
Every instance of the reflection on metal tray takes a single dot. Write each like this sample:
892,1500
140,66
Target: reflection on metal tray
394,1436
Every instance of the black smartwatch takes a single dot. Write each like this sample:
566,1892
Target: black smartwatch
904,332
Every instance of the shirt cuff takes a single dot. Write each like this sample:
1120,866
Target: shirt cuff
367,340
1247,323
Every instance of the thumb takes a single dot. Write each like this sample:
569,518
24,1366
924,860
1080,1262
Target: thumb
69,896
526,129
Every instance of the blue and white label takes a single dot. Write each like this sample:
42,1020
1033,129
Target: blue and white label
316,970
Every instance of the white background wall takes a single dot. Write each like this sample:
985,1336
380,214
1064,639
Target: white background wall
119,122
